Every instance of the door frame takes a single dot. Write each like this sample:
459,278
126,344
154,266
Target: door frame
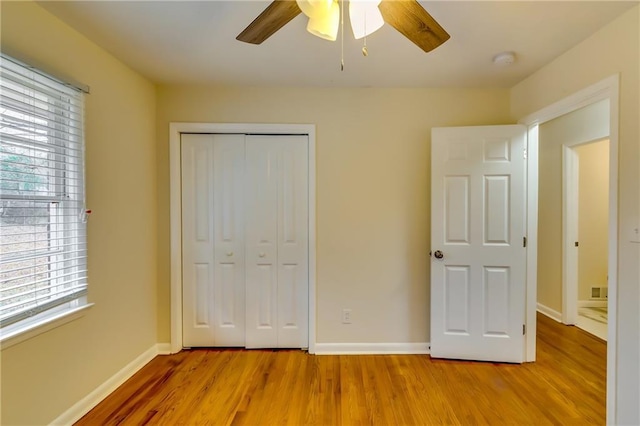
570,217
570,188
604,89
175,189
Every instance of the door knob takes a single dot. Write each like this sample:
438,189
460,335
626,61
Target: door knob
229,253
438,254
262,254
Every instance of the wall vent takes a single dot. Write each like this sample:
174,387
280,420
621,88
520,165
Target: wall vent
600,293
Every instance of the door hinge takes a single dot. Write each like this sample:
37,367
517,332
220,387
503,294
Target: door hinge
524,241
525,154
524,329
576,244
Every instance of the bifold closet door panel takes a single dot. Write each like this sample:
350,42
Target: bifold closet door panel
293,244
261,290
276,202
213,240
228,204
197,241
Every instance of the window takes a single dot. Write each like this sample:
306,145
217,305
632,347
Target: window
43,256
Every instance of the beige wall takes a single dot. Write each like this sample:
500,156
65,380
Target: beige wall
372,192
372,178
612,50
44,376
593,216
584,125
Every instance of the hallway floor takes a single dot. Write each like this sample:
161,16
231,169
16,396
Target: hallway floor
594,320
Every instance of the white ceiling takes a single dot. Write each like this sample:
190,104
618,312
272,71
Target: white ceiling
193,42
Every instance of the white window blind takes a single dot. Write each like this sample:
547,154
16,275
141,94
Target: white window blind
43,256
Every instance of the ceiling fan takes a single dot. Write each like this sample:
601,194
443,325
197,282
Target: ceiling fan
406,16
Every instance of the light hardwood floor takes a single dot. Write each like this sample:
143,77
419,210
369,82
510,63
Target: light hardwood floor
264,387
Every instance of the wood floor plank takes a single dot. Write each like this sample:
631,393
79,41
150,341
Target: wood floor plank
566,385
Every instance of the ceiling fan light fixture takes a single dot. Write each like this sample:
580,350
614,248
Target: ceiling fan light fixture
314,8
324,17
326,26
365,17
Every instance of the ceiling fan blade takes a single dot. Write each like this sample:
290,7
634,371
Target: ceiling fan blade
415,23
274,17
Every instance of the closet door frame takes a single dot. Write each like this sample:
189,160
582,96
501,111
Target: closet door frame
175,188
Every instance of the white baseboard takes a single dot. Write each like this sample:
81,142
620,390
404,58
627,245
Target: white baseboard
87,403
371,348
592,304
164,348
551,313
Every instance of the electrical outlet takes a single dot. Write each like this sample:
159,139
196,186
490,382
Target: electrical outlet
346,316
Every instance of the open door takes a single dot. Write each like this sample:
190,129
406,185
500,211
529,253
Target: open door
478,242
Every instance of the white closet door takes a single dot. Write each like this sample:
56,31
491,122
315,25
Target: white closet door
276,241
228,204
213,240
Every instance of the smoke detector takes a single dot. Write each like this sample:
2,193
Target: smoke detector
504,59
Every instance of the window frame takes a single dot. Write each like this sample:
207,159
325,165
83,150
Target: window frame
66,239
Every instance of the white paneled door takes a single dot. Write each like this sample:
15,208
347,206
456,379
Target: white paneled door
477,242
276,241
245,240
213,295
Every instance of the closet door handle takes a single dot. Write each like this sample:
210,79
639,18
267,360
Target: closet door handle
229,253
262,254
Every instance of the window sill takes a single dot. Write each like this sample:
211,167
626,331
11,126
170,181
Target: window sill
41,325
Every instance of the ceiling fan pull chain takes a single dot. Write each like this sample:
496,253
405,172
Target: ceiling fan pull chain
365,52
342,36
